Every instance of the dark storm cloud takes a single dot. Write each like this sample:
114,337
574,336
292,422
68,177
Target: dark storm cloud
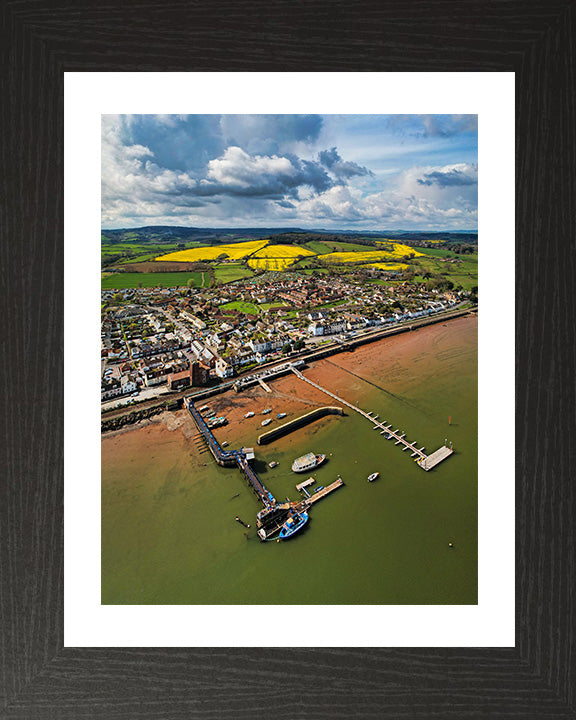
341,168
450,178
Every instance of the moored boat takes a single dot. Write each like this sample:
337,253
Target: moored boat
265,412
293,524
281,415
307,462
373,477
249,414
266,422
273,464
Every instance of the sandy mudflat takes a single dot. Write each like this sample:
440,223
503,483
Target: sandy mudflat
391,356
336,373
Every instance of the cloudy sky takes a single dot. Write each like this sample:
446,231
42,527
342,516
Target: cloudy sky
357,172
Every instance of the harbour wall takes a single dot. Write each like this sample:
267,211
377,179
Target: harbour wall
298,422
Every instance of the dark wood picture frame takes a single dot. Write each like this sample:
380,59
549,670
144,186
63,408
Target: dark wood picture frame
40,40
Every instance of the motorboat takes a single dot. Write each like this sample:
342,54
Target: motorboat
293,525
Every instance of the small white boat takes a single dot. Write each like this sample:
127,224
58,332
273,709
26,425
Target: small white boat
249,414
266,422
265,412
373,477
273,464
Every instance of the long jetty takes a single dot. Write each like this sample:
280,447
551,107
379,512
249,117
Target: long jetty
240,458
426,462
272,517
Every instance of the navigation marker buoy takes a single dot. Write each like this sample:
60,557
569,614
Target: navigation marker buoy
449,420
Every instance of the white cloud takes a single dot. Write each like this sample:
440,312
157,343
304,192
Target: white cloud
237,168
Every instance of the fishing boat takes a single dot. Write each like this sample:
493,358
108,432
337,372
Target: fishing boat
280,416
293,524
249,414
307,462
266,422
373,477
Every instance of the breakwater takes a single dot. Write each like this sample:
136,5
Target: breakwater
298,422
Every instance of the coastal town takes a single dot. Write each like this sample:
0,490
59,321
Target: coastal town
155,341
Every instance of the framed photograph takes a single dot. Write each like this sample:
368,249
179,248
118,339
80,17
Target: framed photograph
125,633
261,326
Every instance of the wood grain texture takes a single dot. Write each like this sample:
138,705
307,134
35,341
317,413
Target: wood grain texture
39,41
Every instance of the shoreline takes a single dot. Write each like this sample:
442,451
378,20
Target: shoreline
288,394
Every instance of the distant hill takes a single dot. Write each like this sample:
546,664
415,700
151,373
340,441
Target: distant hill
173,233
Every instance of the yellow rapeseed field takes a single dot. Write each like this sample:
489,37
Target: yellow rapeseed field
395,252
283,251
278,264
398,248
387,266
235,251
277,257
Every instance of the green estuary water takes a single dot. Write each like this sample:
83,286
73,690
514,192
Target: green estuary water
168,529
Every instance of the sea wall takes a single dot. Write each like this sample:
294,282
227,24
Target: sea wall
298,422
130,418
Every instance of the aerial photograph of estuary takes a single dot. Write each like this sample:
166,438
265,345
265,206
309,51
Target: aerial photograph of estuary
289,360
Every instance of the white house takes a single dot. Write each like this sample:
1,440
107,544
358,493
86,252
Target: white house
316,328
223,369
128,385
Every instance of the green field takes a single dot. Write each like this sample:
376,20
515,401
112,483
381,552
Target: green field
226,273
318,247
122,281
314,271
464,273
244,307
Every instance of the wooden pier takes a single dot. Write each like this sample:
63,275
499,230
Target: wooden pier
314,497
426,462
431,461
305,484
